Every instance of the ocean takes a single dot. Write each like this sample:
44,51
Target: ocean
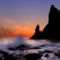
9,42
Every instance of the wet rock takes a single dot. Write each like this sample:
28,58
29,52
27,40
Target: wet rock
33,56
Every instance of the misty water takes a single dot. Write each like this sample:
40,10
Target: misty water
6,43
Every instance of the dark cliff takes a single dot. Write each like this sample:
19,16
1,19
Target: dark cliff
52,29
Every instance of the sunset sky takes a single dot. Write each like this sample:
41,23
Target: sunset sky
21,16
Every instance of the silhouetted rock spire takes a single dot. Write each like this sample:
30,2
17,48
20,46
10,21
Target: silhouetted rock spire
52,29
37,34
37,28
54,15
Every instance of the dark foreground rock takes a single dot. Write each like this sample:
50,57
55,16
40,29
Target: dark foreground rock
29,56
4,55
33,56
58,54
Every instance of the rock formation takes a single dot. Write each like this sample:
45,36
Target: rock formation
37,34
33,56
52,29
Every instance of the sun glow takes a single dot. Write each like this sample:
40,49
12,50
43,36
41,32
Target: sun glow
13,28
25,31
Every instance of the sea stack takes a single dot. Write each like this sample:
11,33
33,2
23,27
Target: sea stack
52,29
37,34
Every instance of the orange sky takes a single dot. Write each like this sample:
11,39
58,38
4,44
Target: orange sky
27,30
24,30
22,16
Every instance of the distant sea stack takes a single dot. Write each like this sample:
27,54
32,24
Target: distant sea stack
52,29
37,34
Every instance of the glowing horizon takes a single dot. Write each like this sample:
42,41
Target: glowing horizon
22,16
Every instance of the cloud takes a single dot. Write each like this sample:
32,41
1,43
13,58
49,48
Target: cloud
25,26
